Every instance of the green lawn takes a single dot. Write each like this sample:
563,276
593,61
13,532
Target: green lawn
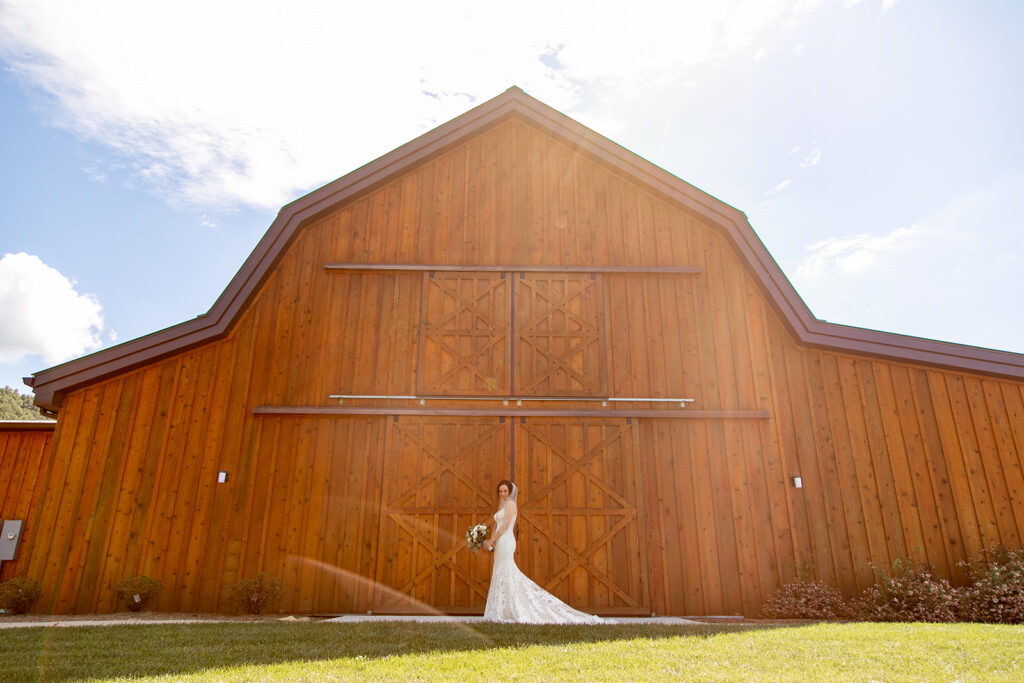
373,651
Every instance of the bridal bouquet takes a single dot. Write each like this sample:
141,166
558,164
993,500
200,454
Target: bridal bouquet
476,535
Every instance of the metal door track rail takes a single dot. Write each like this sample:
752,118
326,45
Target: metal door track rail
517,400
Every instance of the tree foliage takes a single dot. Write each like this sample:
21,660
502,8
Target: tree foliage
15,406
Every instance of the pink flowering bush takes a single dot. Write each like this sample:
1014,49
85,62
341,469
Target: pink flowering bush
996,591
804,599
912,592
909,593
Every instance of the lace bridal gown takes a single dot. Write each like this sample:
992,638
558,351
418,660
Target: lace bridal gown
513,597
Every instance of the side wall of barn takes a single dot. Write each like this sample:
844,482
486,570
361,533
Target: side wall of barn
24,451
896,459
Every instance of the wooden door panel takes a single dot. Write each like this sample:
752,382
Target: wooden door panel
465,345
439,478
559,349
581,528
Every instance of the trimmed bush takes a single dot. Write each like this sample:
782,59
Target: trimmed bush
256,595
804,599
138,591
909,593
19,594
996,592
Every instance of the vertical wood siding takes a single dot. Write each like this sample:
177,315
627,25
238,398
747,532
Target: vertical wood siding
896,459
465,334
440,475
559,331
24,456
581,529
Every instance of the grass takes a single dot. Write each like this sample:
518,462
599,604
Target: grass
373,651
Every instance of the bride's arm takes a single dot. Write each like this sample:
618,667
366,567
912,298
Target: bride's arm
510,511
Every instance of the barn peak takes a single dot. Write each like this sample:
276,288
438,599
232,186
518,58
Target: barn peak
51,385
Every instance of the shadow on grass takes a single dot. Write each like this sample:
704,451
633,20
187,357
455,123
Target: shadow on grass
60,654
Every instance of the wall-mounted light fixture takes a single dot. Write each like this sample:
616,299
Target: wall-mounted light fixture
798,482
222,476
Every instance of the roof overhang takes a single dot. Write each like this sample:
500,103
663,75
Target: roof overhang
27,425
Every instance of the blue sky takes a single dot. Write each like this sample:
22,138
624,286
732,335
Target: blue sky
875,145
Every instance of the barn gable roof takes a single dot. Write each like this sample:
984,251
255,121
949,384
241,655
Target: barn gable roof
52,384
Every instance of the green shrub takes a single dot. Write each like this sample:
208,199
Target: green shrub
138,591
19,594
909,593
996,591
256,595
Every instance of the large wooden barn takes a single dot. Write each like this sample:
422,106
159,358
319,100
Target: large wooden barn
511,295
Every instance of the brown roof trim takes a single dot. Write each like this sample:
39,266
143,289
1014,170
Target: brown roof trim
50,385
27,425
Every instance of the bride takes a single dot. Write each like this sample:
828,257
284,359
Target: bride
512,596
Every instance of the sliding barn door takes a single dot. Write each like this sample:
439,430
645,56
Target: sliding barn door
478,329
559,348
465,344
581,531
439,478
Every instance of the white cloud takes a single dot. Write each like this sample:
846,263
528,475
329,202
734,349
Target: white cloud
43,314
853,255
780,187
251,103
954,274
812,159
888,4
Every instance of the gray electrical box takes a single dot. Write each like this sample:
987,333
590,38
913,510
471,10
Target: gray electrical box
10,539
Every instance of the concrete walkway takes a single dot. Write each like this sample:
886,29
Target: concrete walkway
356,618
59,622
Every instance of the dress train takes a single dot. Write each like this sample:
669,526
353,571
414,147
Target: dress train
514,598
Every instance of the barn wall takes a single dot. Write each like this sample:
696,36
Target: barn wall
894,456
897,460
24,454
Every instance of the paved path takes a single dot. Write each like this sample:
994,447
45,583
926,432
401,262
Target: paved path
355,618
57,622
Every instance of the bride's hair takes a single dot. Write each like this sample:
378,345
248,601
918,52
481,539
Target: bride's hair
505,482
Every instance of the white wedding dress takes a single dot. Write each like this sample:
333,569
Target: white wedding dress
514,598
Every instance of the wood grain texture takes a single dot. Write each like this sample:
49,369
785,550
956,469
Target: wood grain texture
559,335
897,459
582,529
25,455
439,478
465,334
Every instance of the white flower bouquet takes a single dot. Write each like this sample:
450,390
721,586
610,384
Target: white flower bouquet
476,536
